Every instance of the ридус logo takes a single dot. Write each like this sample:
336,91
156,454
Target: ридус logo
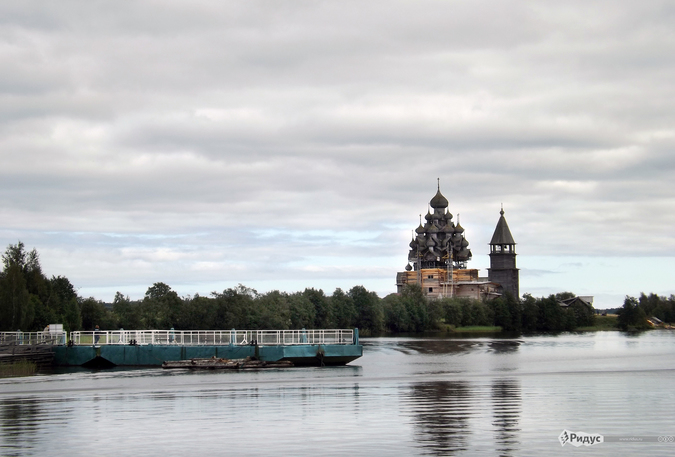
577,439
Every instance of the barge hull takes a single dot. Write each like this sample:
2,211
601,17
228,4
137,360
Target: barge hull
155,355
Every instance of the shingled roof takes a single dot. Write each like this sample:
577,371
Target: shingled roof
502,233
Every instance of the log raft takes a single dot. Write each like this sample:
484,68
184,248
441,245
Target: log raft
225,364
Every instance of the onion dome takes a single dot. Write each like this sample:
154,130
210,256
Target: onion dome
408,267
419,229
428,217
432,228
464,243
448,216
459,228
464,254
439,201
449,228
413,244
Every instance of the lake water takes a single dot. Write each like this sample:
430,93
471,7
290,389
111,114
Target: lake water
404,397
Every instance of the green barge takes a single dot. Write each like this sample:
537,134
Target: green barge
154,347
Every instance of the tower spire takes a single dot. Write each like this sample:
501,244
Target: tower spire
503,268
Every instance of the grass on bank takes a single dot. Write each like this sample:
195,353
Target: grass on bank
602,323
15,369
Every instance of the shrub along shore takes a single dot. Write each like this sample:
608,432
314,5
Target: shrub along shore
30,301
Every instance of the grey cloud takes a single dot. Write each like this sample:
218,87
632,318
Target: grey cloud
212,125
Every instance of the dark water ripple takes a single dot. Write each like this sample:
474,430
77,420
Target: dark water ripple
406,396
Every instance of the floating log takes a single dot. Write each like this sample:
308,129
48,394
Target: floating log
225,364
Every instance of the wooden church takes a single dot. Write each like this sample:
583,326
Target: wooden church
439,253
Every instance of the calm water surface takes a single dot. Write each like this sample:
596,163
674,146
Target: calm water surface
405,396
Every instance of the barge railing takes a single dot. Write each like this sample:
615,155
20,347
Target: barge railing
20,338
216,337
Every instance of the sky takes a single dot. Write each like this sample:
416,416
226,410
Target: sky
294,144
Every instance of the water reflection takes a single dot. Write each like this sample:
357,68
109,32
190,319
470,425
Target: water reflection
504,346
446,346
20,424
506,404
407,396
446,415
441,413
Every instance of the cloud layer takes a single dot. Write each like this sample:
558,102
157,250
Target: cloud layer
293,144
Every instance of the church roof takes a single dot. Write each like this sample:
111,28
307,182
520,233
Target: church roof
439,201
502,233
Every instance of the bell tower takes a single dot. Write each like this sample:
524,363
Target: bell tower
503,269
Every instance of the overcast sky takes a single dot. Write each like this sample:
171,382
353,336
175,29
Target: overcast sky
293,144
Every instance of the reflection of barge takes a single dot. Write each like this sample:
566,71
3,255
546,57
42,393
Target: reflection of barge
225,364
153,347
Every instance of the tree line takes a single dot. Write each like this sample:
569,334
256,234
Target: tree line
634,313
29,301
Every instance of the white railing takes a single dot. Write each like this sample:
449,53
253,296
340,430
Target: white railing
21,338
214,337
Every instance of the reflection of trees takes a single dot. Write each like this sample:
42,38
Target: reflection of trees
440,346
458,346
19,421
504,346
506,402
441,412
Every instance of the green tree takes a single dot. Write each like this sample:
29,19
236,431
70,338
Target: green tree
665,310
452,311
161,307
344,309
649,303
507,312
127,312
62,304
583,315
530,311
16,308
20,280
632,316
396,318
475,312
234,307
198,313
324,314
271,311
369,309
72,317
95,313
435,314
550,317
416,305
302,310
